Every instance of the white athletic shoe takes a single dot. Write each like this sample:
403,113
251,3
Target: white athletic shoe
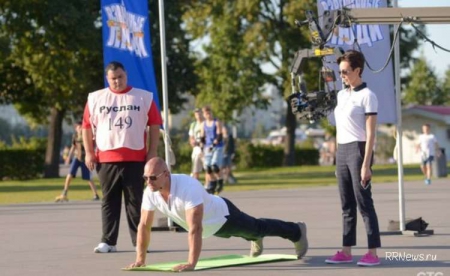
256,247
105,248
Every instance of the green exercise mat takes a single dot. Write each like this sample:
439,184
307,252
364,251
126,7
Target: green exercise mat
219,261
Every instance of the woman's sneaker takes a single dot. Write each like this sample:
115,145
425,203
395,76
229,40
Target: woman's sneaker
369,260
340,258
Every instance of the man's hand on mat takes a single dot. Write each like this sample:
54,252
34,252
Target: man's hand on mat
136,264
183,267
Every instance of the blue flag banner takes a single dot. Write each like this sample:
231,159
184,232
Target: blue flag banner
126,39
375,45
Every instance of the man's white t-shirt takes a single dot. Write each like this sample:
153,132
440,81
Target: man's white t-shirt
427,144
195,131
352,108
186,193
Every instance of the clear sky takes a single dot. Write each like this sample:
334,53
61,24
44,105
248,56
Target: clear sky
439,33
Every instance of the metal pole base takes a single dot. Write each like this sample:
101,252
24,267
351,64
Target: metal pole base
409,233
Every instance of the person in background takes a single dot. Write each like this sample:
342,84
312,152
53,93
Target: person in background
65,154
184,200
428,147
212,139
356,119
228,156
195,130
120,119
77,148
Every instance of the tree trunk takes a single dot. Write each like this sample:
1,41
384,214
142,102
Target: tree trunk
51,168
289,145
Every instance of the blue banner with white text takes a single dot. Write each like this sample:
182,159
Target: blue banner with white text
126,39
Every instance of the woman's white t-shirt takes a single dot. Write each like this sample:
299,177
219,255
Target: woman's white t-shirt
352,108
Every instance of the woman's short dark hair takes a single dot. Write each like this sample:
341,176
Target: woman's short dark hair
354,58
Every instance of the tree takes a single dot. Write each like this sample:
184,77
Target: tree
244,36
180,60
49,63
445,86
51,57
423,87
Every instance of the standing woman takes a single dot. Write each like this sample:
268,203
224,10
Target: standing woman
356,118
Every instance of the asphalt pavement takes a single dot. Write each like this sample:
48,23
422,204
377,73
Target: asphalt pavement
58,238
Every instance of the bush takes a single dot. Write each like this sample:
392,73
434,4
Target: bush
24,159
265,156
21,163
247,156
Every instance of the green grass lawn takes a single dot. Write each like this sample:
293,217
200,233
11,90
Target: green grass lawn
45,190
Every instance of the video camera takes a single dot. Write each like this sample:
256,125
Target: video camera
316,104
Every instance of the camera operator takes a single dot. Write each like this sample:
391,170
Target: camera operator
211,133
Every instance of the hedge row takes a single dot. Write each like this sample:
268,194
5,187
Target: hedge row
29,163
248,156
21,163
268,156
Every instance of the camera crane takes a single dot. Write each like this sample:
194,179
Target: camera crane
314,105
317,104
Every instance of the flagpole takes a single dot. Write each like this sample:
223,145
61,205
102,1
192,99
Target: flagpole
162,31
401,191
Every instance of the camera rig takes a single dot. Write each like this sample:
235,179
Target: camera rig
317,104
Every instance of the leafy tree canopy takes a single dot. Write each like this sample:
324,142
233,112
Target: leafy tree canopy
423,87
52,56
242,37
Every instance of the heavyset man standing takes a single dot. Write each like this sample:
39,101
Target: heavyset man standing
116,118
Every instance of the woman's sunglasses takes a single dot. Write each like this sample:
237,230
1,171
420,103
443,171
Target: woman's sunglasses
343,72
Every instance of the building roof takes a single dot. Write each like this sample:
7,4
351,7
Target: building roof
438,109
435,112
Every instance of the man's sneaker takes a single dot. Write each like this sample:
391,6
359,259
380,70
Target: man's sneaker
61,198
105,248
427,181
369,260
340,258
96,197
256,247
301,246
